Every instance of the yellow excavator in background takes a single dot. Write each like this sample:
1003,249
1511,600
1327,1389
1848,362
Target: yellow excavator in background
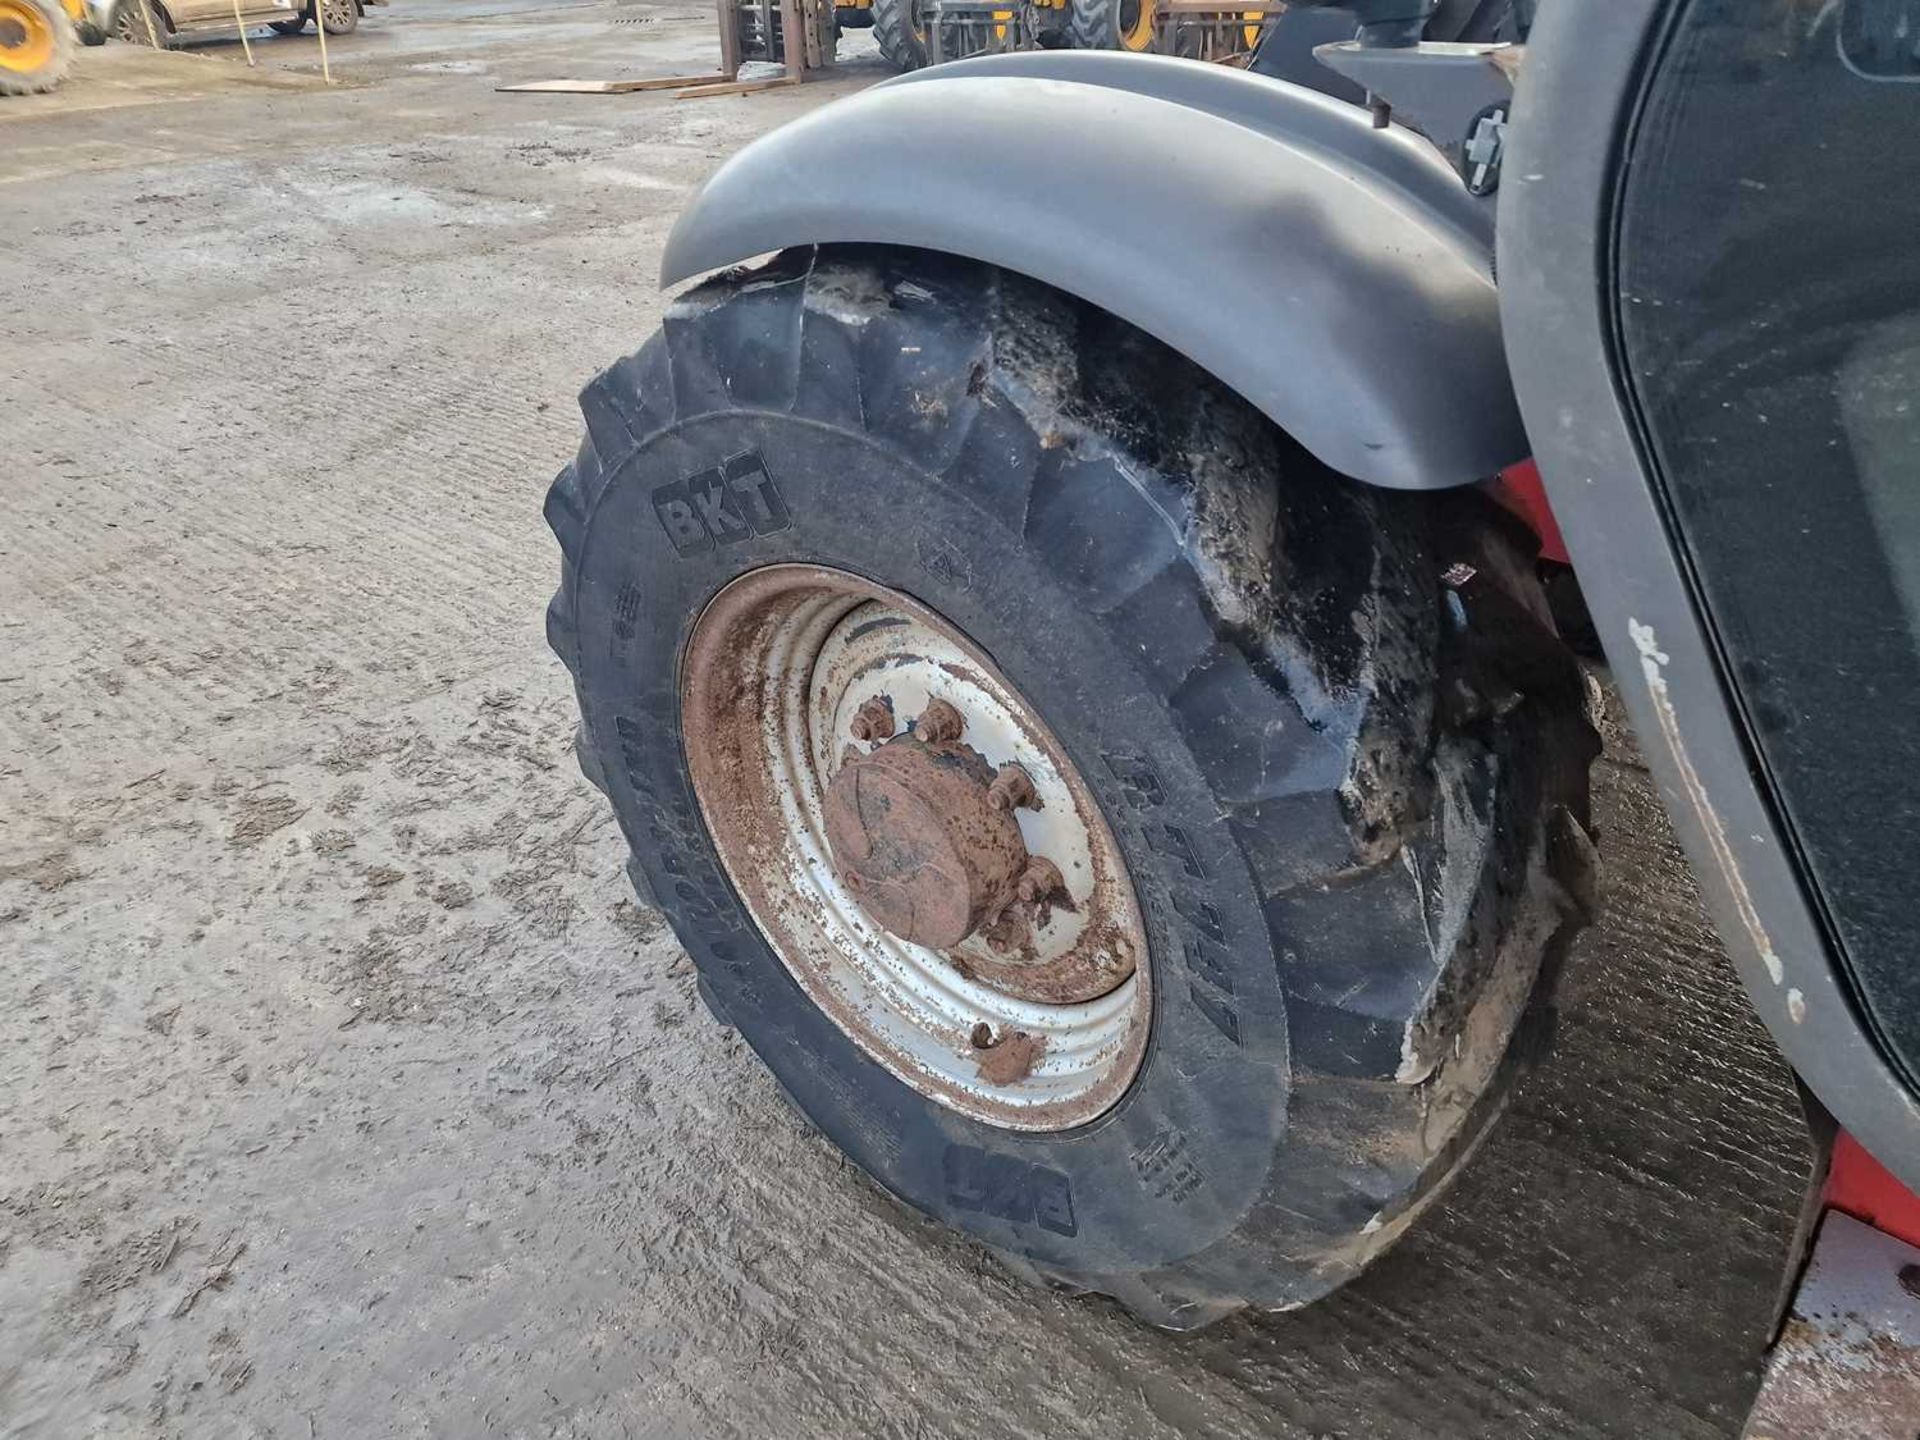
37,41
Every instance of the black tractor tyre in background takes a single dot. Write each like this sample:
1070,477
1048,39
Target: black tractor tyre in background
1333,731
1103,24
293,26
897,32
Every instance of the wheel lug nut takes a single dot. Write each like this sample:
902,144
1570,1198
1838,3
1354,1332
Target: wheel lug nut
1040,879
939,723
1012,789
982,1036
873,720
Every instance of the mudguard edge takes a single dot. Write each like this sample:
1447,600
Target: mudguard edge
1336,276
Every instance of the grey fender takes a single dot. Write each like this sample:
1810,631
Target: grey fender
1337,276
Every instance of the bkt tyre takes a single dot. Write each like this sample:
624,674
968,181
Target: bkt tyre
1132,844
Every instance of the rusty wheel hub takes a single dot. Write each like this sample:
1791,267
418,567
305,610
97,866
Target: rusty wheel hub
916,847
924,834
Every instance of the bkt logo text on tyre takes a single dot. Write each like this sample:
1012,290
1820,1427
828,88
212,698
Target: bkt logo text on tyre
721,505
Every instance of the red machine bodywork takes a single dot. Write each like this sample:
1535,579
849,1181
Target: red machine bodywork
1864,1188
1519,488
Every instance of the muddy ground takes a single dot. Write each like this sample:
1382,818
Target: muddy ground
346,1092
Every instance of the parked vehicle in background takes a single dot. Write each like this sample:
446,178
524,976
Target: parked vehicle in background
157,22
1070,669
915,33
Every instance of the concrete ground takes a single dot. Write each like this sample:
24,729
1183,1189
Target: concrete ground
344,1089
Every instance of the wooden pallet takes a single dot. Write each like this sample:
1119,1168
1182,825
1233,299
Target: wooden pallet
799,60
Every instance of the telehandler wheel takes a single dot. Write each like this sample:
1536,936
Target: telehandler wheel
899,34
1131,843
1111,24
36,46
341,17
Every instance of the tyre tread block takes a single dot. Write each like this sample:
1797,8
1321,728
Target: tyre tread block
1170,633
726,350
1097,531
827,383
909,357
998,460
612,404
1259,747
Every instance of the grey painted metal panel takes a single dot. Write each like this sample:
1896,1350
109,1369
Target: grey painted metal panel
1579,82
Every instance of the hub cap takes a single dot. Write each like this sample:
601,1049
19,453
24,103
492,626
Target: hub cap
916,847
133,24
26,39
918,839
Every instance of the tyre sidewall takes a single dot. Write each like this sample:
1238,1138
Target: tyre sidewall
1183,1157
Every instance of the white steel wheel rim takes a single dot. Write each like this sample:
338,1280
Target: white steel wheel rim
777,666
